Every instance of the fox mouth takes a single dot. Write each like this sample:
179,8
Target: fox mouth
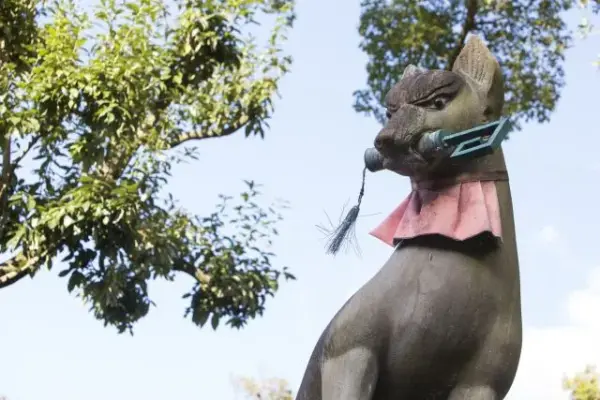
411,161
406,164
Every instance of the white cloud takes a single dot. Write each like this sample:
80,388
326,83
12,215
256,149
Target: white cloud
584,305
550,353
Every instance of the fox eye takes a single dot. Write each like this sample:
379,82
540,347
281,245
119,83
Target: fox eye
439,102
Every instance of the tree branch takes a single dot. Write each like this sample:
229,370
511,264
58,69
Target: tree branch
6,165
183,137
5,180
8,169
189,269
186,269
6,155
468,26
8,278
26,151
195,273
13,270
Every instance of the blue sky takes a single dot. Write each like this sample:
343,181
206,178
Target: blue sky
52,348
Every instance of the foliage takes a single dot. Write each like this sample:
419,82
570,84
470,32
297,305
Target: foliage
529,38
93,107
586,27
271,389
584,386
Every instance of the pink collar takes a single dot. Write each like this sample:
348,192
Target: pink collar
459,212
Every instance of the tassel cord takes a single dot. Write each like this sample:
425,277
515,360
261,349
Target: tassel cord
346,227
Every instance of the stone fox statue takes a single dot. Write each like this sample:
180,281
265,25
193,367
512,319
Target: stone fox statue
442,318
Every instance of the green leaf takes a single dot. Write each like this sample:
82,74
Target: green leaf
68,221
134,8
30,202
214,321
200,316
64,273
76,279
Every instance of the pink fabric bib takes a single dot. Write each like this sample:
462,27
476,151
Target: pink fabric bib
458,212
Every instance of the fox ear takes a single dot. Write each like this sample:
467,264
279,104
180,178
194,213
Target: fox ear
477,64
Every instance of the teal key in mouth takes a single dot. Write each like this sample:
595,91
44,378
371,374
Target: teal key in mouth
468,144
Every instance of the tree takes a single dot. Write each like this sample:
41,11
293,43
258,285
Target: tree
529,38
270,389
584,386
94,109
586,27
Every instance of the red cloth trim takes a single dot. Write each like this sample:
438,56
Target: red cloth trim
458,212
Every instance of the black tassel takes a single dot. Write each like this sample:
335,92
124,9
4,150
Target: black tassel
340,235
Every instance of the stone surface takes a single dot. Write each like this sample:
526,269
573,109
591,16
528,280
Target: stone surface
442,318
